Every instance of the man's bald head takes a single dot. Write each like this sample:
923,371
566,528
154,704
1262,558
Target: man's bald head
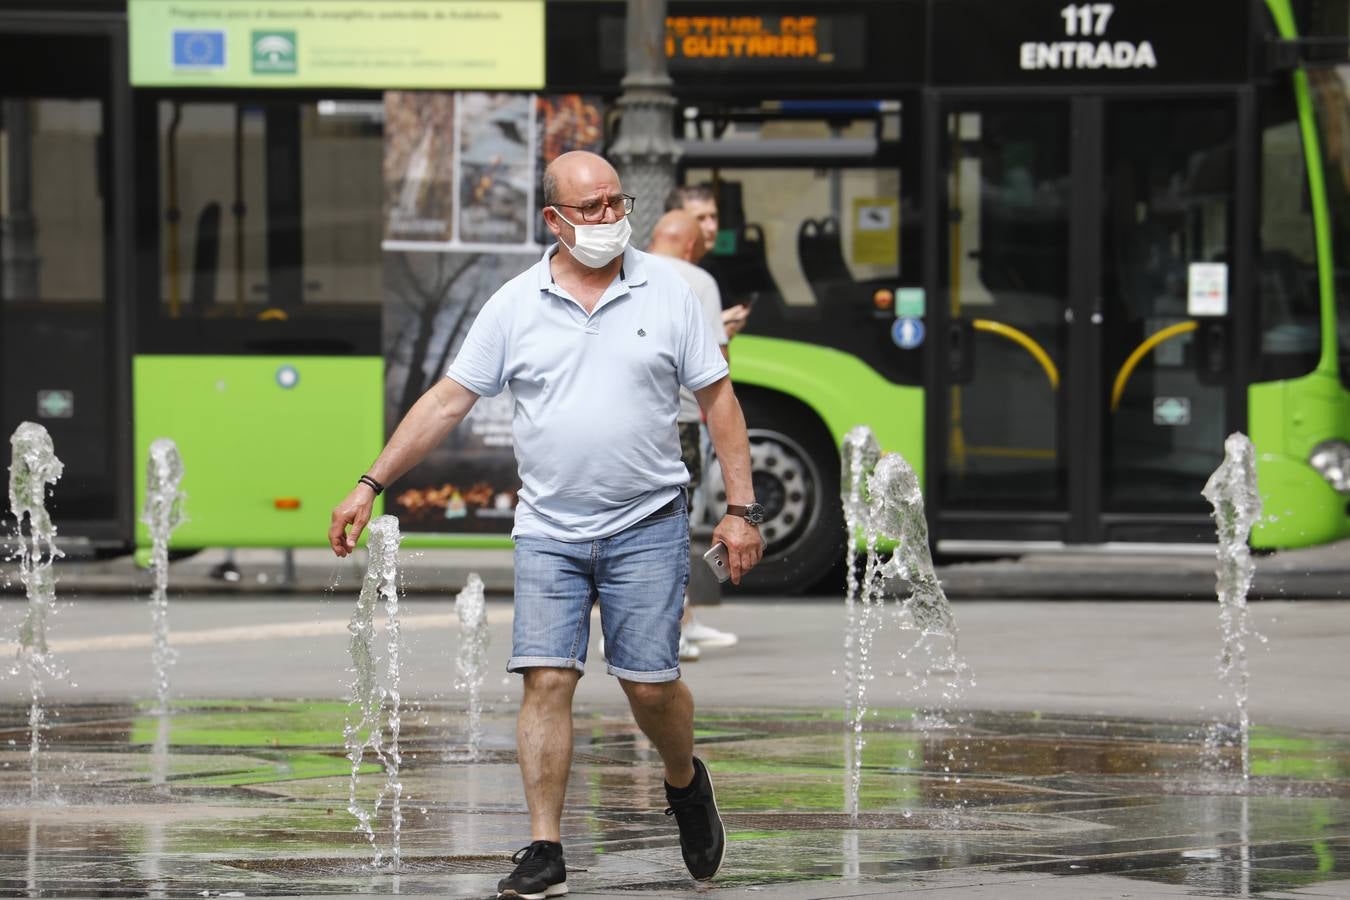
677,234
576,172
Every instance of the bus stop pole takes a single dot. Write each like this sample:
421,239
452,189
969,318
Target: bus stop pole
645,151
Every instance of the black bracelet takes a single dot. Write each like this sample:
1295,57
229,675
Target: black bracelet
372,484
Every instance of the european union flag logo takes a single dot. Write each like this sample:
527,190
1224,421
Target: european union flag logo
198,49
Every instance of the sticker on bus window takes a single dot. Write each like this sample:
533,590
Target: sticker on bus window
876,231
907,334
910,303
1207,289
55,404
1171,411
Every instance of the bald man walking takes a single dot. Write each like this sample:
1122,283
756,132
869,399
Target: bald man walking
593,341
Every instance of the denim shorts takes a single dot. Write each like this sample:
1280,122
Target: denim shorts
637,576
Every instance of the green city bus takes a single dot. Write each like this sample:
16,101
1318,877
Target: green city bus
1053,253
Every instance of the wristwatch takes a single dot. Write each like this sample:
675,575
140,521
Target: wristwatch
754,513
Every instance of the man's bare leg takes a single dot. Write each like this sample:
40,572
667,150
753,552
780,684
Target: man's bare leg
665,713
544,746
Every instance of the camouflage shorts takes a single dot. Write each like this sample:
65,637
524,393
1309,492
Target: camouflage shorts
690,440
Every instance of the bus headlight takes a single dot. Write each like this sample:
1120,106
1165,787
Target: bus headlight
1331,459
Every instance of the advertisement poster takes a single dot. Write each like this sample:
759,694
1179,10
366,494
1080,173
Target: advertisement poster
563,122
469,482
463,186
496,161
419,140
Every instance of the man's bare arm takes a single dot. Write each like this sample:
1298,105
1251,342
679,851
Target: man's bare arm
726,423
432,417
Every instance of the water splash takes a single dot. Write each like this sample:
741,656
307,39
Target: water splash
1232,491
895,512
375,708
933,659
858,457
33,469
162,514
471,662
896,509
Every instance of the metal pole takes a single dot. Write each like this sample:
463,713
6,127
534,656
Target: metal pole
645,152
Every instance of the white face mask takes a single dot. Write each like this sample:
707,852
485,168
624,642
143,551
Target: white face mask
598,245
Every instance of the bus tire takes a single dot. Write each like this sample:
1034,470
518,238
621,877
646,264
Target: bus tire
795,471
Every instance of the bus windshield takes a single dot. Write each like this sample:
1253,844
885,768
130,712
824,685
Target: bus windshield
1331,100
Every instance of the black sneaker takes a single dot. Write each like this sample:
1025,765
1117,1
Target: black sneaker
703,839
540,872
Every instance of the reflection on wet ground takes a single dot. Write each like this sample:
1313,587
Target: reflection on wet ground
256,795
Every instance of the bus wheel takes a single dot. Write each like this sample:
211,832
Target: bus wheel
795,472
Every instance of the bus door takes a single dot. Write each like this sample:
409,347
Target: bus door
1086,308
63,258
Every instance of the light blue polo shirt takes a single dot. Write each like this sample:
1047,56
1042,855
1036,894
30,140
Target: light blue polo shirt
596,396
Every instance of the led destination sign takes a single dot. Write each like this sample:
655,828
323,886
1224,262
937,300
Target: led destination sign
750,38
1088,23
800,43
1052,42
798,48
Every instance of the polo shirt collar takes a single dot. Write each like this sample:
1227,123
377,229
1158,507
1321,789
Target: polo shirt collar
633,271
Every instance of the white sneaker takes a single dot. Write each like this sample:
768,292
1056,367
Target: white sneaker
688,652
706,636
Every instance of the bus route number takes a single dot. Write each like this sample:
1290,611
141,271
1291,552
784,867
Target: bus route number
1083,22
1086,18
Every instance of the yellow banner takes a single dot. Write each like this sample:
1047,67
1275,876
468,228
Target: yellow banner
338,43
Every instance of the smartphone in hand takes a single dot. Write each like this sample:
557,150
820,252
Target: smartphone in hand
718,561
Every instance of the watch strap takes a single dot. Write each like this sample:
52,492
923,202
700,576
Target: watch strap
752,513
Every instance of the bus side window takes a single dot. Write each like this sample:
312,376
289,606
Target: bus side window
1286,276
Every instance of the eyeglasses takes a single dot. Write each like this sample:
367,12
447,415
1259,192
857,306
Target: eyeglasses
592,212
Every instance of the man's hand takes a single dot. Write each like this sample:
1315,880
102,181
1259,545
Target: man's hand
734,318
432,417
353,511
743,543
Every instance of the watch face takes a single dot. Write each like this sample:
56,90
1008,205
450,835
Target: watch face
754,513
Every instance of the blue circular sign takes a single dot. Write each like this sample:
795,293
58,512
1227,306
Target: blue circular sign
288,377
907,333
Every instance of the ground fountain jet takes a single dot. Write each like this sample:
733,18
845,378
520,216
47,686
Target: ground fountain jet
858,457
895,513
374,711
33,469
163,513
471,662
1232,491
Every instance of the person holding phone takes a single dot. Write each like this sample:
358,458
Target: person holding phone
677,238
593,341
699,202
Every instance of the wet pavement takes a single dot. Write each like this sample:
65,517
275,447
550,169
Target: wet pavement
255,793
1076,766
